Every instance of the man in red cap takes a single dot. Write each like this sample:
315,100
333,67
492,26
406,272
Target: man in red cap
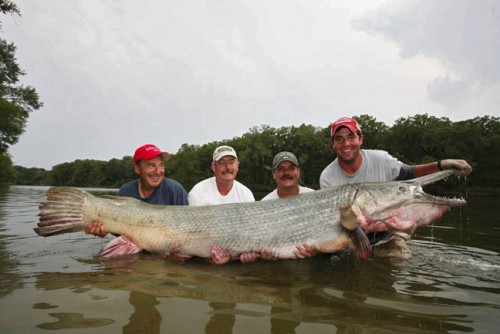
152,186
356,165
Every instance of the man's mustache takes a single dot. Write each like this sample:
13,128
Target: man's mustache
287,177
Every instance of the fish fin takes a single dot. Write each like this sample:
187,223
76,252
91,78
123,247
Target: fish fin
62,213
348,218
120,199
379,238
361,243
119,246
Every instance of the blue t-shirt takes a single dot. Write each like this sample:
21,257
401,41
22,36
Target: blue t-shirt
169,192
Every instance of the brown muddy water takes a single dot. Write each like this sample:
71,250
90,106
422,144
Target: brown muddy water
450,285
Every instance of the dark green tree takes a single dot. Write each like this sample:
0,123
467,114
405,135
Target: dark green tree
61,174
118,172
418,139
16,101
7,6
255,153
373,130
31,176
476,140
190,164
7,173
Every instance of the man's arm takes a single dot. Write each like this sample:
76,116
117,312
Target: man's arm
461,166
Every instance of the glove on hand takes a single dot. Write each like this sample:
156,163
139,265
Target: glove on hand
461,166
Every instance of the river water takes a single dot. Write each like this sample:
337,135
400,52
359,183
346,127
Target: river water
451,284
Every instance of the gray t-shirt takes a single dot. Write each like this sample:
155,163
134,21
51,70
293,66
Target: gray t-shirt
377,166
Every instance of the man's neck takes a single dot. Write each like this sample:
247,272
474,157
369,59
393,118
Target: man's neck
145,192
352,167
224,187
285,192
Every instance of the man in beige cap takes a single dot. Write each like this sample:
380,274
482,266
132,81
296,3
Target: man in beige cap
222,187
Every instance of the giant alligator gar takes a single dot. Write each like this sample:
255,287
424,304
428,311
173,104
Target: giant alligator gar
325,219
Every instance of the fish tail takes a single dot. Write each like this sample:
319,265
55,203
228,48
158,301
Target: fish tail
62,213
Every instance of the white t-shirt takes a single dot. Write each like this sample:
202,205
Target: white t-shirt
377,166
274,194
206,193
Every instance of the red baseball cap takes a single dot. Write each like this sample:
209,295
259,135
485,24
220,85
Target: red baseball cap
348,122
148,152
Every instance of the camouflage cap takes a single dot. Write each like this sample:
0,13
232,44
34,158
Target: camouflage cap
284,156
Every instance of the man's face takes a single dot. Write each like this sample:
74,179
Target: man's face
347,145
286,175
151,172
225,169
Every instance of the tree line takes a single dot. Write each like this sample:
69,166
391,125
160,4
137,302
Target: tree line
414,140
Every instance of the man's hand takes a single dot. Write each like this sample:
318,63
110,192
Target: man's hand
303,251
96,229
249,257
461,166
269,255
176,256
219,255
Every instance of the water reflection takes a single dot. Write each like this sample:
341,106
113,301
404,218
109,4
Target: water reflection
9,279
73,321
375,293
449,285
145,318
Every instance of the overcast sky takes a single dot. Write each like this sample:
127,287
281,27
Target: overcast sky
116,74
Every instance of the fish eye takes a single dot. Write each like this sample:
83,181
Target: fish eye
402,189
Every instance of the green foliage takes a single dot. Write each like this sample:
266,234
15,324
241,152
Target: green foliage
12,123
16,101
373,131
93,173
190,164
419,136
117,172
31,176
6,169
8,7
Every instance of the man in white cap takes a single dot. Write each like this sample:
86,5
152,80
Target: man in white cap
355,165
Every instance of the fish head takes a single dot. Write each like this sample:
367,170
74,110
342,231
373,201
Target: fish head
400,205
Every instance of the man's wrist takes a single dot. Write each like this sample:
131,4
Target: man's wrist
439,166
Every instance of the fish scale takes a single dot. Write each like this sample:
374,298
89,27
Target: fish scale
325,218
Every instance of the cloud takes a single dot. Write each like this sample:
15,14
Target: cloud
463,35
114,75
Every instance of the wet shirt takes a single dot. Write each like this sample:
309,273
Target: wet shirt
169,192
274,193
206,193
